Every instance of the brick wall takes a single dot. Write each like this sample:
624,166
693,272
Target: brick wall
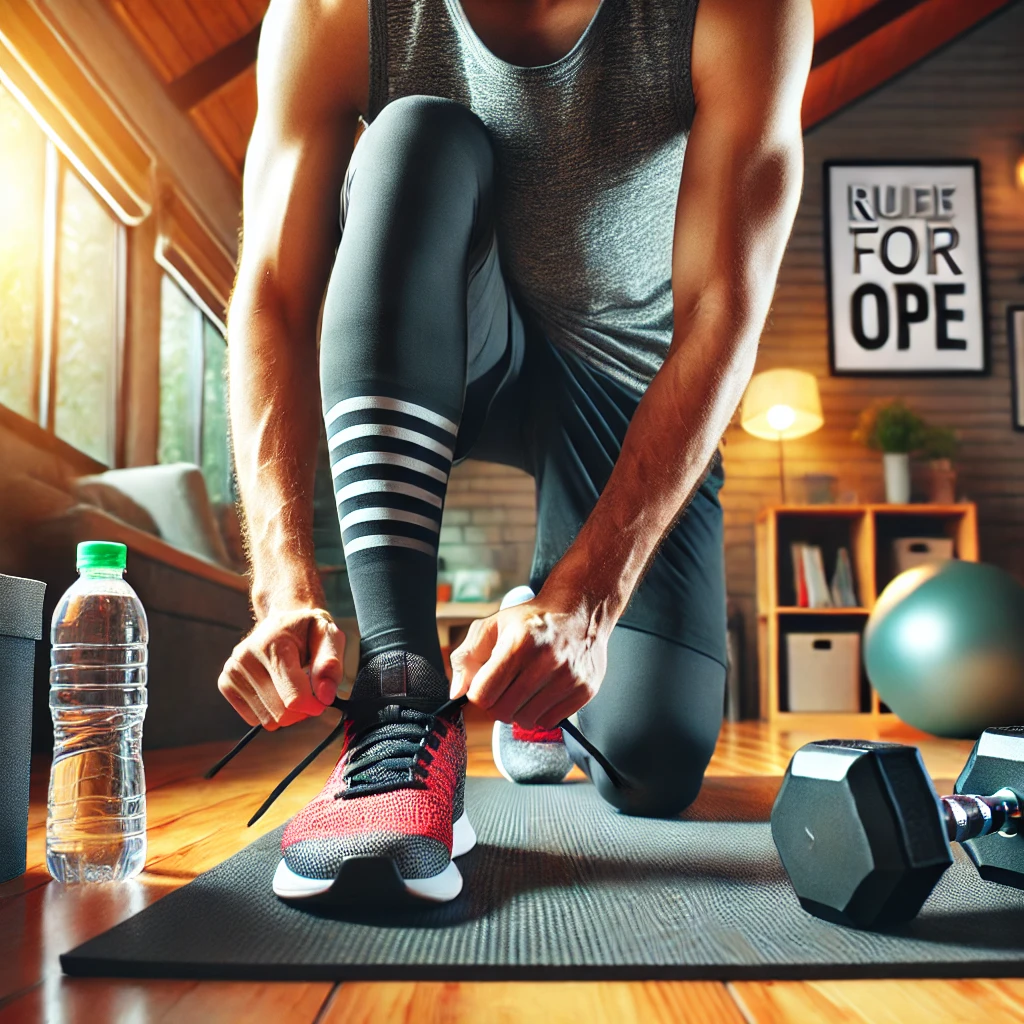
489,521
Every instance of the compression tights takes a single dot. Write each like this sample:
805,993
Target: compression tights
397,352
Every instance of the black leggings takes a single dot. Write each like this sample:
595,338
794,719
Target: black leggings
427,357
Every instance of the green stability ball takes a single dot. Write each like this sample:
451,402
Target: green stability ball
944,648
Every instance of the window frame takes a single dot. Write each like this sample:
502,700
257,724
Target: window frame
199,319
46,330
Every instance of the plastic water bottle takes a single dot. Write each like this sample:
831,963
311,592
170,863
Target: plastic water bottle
96,821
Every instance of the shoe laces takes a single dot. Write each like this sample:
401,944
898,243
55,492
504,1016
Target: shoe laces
388,755
393,748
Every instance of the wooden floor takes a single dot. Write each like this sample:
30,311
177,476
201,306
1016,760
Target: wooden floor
194,825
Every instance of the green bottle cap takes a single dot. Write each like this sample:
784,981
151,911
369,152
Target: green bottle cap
101,554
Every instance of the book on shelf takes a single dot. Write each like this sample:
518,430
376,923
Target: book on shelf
818,595
799,580
844,593
810,584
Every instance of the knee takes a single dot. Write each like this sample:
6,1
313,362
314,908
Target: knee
662,775
425,133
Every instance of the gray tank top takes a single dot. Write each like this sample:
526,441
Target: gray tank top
590,153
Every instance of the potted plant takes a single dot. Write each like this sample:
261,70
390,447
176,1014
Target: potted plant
895,430
939,446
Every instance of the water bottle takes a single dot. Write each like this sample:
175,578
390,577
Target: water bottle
96,820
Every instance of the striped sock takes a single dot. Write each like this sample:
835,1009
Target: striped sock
390,460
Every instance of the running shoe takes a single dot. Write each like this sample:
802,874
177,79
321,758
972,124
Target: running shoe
530,756
389,820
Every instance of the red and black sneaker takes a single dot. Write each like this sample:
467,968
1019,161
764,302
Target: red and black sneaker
389,820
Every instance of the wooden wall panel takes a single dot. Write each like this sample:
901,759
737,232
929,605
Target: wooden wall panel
963,102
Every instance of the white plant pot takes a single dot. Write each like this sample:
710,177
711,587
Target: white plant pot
897,477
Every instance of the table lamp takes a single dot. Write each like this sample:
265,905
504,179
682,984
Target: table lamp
781,405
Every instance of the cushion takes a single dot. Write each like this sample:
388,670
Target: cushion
92,490
175,498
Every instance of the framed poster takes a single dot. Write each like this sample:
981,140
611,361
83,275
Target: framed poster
903,256
1015,337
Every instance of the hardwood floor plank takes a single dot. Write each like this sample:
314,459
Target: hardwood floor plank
881,1002
526,1002
170,1002
36,928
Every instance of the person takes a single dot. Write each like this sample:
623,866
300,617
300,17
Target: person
515,263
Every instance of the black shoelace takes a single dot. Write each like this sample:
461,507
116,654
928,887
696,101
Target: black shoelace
390,750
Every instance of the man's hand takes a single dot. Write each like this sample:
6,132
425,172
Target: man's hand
286,670
534,663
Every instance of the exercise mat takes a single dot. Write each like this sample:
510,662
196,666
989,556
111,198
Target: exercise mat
561,887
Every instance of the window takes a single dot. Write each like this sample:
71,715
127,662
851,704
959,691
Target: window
193,391
62,267
22,159
89,304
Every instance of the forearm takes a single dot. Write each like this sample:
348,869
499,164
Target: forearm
672,438
275,423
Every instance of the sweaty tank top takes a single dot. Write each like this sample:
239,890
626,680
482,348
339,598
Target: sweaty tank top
589,152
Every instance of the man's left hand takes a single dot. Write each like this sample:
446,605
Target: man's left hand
534,663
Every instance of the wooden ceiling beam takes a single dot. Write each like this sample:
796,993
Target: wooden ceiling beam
191,88
858,28
881,56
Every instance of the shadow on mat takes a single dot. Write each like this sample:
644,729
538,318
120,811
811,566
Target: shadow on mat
983,928
495,875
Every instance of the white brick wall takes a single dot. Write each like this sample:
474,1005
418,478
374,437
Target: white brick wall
489,521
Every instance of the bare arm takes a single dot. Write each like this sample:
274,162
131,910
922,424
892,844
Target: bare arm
311,80
737,201
738,197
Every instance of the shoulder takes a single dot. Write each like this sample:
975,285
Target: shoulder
317,48
751,43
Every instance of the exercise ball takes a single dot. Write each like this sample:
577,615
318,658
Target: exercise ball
944,648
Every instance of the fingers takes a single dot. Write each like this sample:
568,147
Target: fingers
236,683
508,656
577,697
472,654
280,680
326,659
536,677
235,697
266,679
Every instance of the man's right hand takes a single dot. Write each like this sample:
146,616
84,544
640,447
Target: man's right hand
286,670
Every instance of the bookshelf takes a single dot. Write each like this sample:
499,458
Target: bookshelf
867,531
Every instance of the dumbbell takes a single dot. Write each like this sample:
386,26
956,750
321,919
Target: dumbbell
864,837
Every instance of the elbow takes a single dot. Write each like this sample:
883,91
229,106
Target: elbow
727,315
258,308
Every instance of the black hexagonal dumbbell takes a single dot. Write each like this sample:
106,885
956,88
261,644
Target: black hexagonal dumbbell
996,761
864,838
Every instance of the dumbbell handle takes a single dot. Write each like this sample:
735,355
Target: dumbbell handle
970,817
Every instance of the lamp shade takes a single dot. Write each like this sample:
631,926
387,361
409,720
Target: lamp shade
781,405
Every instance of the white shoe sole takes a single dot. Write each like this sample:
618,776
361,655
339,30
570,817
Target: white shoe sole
517,595
496,751
439,888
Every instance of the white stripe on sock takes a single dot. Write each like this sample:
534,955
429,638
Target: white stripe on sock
387,459
387,430
377,513
391,405
387,486
387,540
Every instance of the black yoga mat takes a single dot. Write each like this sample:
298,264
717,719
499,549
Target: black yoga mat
562,887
